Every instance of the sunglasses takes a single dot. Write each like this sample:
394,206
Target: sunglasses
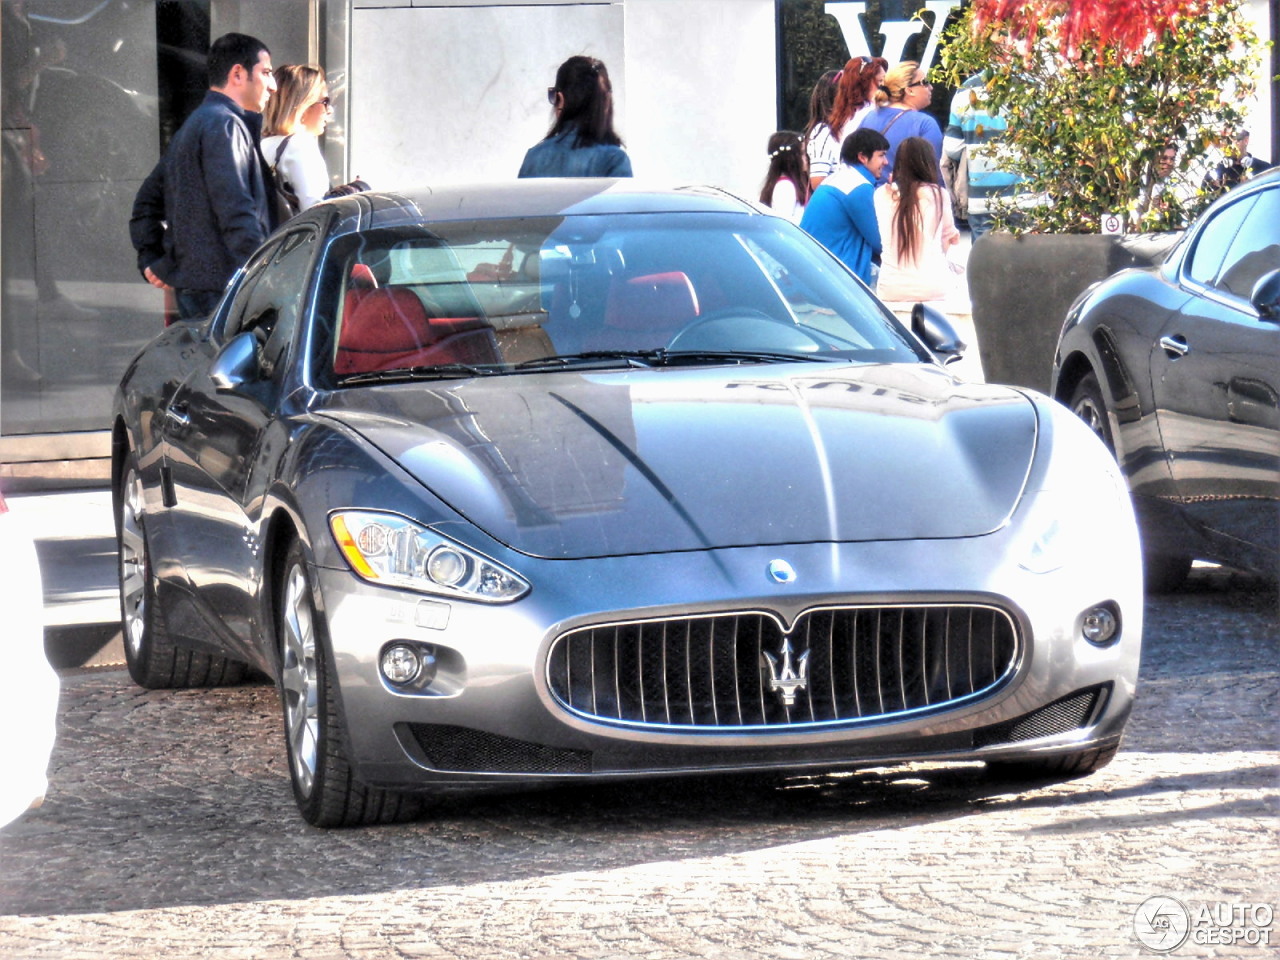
919,83
551,95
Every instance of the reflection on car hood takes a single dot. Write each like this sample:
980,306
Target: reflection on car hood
569,465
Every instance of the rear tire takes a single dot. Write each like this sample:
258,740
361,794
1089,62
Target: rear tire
1066,766
154,660
327,792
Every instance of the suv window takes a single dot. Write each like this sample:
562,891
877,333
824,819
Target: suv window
1214,241
1255,249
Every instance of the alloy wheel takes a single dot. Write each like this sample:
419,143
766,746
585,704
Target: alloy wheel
300,681
134,565
1088,411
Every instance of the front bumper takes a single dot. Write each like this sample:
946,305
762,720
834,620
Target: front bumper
489,717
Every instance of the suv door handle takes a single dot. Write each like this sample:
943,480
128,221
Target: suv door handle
1175,347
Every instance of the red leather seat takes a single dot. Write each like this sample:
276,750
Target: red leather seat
389,329
359,283
646,311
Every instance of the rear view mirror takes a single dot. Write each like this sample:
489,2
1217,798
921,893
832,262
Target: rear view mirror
1266,296
237,363
936,332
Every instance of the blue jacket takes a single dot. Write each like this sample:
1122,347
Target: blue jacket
206,206
841,215
558,157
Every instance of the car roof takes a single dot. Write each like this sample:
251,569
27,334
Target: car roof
525,198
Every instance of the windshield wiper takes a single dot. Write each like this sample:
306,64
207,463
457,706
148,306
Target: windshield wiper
662,357
634,358
442,371
742,356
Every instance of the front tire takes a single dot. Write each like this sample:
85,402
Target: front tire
327,792
1162,573
1088,404
153,659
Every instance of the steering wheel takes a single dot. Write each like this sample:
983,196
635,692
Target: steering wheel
744,328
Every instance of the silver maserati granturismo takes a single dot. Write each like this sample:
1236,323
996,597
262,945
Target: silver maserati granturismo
577,480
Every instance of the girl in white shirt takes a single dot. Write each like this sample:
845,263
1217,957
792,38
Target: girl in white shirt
298,112
917,229
786,187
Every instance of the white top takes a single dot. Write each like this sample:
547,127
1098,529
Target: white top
926,276
785,201
824,152
855,121
302,166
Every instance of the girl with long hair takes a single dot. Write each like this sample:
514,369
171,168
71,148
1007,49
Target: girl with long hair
581,141
820,146
786,186
901,102
917,227
296,116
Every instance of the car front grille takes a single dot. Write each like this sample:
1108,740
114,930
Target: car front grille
836,665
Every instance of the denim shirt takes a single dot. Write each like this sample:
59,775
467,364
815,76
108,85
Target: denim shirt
558,157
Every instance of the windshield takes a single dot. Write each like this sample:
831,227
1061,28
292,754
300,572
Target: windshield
496,297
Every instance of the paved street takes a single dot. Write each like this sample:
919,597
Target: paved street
170,830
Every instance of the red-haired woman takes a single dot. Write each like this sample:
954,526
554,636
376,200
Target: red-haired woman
856,94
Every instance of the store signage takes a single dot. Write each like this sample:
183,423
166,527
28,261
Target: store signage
897,33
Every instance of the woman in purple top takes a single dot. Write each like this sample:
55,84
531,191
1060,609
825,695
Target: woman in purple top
900,112
581,141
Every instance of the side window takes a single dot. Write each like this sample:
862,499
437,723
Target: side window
1256,248
271,299
1214,241
233,321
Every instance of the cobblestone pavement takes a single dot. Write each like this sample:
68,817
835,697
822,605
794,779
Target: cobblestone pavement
170,831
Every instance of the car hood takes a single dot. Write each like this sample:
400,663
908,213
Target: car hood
569,465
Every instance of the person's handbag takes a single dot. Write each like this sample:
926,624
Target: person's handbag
286,200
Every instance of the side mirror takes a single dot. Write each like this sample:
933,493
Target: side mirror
1266,296
237,363
936,332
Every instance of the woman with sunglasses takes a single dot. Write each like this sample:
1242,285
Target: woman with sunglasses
296,116
581,141
901,102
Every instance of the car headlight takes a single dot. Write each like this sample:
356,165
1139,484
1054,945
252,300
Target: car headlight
390,550
1082,506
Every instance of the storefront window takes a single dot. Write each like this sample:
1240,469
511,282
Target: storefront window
92,92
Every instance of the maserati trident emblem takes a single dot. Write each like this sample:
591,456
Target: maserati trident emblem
781,572
787,681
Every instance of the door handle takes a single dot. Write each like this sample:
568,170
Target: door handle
178,414
1175,347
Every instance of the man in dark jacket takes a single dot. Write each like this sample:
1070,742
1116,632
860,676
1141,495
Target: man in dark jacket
207,204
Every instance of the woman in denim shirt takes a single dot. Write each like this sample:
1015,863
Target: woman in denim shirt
582,141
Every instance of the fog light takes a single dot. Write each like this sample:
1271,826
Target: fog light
1100,625
401,663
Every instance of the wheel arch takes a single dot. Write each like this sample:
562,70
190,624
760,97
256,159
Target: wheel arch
120,447
282,529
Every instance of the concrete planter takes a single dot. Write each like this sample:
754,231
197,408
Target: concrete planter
1022,287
